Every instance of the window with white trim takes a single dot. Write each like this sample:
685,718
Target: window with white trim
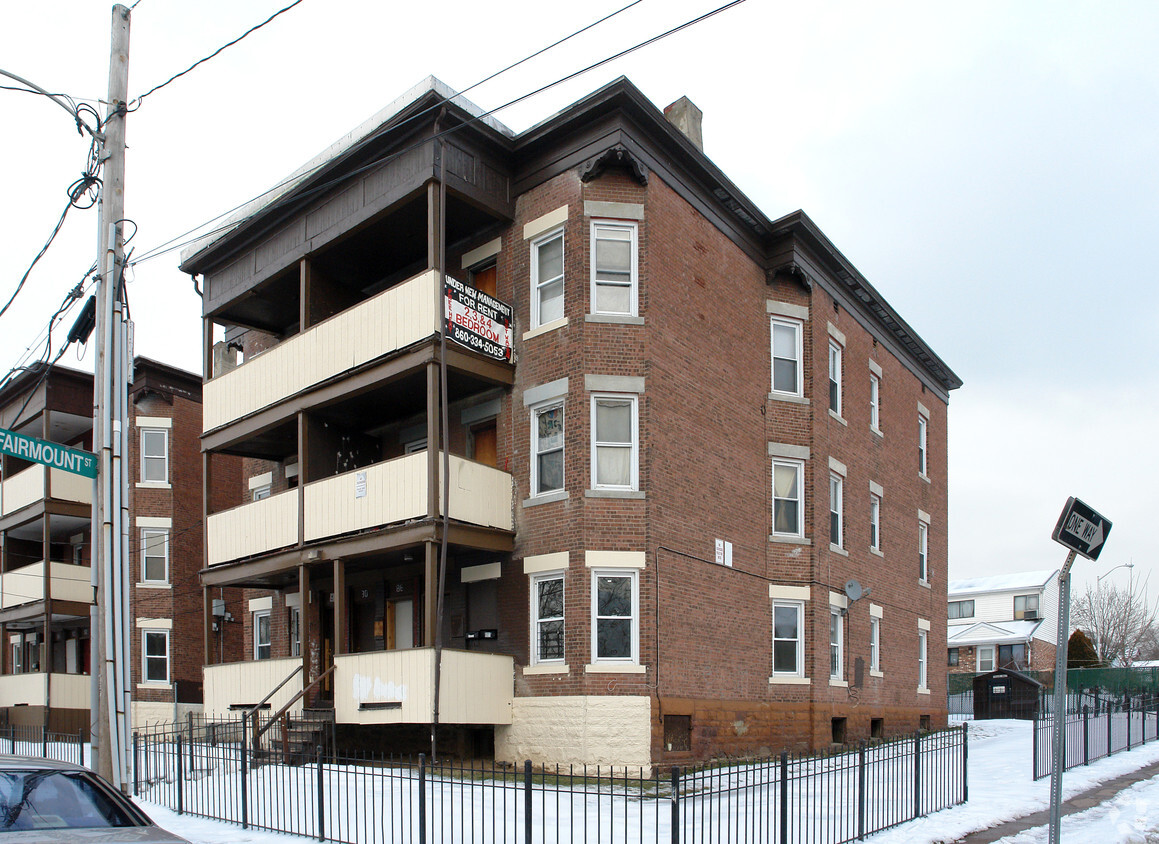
836,651
615,454
547,618
922,679
923,552
614,268
788,640
155,656
836,508
547,448
261,493
154,455
615,620
154,556
874,402
960,609
985,658
874,521
923,428
874,643
788,498
835,378
787,377
547,279
262,634
1025,607
295,631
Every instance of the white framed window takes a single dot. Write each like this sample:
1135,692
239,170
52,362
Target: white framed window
874,643
547,618
154,556
415,446
788,498
786,339
985,658
614,268
922,678
547,448
615,619
154,455
547,279
836,509
262,634
836,651
874,521
1025,607
923,552
615,448
788,641
262,492
923,432
960,609
295,631
874,402
835,378
16,646
155,656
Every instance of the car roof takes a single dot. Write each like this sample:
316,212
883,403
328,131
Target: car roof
10,762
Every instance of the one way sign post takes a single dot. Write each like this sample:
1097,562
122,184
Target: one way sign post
1081,529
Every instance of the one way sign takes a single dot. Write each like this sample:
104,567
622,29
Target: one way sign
1081,529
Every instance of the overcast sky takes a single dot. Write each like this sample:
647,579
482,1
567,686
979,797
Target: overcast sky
989,167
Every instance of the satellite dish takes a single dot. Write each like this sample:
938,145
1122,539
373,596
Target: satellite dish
853,590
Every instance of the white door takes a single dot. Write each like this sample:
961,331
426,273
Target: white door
404,624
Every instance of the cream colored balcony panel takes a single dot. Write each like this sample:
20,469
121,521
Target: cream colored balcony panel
65,486
26,689
391,320
24,488
26,584
397,687
70,691
238,683
71,583
393,491
480,494
253,528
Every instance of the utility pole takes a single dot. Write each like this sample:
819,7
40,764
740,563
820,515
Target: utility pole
110,708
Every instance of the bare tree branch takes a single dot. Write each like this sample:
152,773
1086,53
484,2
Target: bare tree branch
1119,622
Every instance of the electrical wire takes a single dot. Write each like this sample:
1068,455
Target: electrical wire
189,237
63,100
136,102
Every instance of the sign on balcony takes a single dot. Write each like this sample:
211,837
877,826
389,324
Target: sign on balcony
478,321
50,454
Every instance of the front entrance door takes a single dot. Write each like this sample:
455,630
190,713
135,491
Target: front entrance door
400,624
486,443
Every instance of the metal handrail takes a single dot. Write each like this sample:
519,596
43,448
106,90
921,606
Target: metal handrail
273,692
277,715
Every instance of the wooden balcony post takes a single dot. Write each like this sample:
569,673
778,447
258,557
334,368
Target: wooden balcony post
430,592
340,621
207,623
304,618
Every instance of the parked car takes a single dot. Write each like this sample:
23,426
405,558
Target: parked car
42,800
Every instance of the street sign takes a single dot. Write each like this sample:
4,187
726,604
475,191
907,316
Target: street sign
1081,529
50,454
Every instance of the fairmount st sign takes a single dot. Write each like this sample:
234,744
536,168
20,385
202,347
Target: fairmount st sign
50,454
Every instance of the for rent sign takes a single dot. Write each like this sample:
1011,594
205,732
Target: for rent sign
478,321
50,454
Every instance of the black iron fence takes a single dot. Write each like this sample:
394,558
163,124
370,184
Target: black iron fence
1092,733
210,768
25,740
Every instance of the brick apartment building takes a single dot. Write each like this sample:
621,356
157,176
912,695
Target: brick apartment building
699,510
45,515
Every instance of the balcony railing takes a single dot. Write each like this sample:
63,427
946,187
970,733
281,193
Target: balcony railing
382,494
387,322
26,584
247,683
37,482
397,687
69,691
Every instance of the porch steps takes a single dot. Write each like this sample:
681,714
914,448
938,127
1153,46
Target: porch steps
296,741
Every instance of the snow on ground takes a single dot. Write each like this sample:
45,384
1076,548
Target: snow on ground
1001,789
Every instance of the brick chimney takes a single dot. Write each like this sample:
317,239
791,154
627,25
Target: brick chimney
685,116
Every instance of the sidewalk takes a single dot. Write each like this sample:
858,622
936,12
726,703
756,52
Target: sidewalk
1079,803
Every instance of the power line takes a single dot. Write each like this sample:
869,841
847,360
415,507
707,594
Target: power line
137,101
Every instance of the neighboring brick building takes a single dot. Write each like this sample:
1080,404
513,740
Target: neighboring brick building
699,512
1004,621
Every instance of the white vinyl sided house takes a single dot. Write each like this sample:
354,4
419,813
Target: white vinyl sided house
1004,621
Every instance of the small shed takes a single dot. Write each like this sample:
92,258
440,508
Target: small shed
1006,694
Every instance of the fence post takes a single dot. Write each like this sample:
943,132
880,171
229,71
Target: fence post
918,774
1110,719
80,746
1086,735
1034,751
245,815
527,801
321,798
861,792
965,761
422,799
1128,722
784,796
675,805
189,725
180,775
136,765
44,741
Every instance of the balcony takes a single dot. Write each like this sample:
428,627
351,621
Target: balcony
381,494
397,687
39,482
69,691
384,323
246,683
25,585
